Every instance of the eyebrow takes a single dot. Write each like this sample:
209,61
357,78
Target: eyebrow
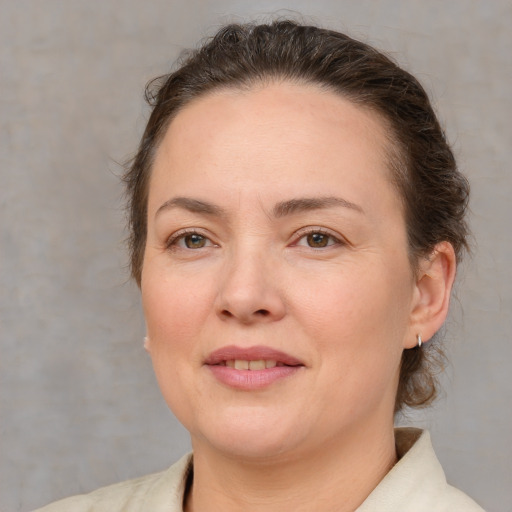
312,203
281,209
192,205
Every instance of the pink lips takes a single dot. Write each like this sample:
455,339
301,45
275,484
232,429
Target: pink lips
251,379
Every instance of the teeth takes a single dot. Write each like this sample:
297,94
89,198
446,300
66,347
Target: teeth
260,364
257,365
241,365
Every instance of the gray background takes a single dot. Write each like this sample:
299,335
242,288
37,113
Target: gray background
79,405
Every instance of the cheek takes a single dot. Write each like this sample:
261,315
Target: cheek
175,314
350,302
359,321
175,308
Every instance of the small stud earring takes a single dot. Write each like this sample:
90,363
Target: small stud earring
146,343
418,337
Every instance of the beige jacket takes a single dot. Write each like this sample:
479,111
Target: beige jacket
415,484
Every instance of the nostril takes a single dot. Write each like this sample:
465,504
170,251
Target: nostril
246,315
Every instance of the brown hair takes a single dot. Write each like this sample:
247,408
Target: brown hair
433,192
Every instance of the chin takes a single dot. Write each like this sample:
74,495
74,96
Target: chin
253,437
249,447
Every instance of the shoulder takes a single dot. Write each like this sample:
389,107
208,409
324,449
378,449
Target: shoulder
453,500
111,498
417,482
159,491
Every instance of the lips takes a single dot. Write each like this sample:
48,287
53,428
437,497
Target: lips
258,353
251,368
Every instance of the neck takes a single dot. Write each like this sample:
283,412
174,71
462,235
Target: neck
338,477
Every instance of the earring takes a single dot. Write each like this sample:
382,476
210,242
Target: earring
418,337
146,342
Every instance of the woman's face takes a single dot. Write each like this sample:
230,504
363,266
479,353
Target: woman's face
276,283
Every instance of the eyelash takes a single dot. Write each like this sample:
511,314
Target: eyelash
305,232
173,241
332,240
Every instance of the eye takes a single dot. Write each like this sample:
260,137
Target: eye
189,240
194,241
317,239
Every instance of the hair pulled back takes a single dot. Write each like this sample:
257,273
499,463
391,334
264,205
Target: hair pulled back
434,194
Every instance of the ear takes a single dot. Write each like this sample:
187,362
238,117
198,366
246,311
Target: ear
432,292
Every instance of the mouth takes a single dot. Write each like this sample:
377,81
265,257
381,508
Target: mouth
257,364
251,358
251,368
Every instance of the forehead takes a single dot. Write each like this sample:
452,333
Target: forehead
281,134
277,104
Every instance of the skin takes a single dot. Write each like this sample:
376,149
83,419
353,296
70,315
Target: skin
323,435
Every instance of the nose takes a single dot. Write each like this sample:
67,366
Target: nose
249,291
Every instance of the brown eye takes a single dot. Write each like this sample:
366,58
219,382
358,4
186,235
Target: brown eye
187,240
194,241
318,240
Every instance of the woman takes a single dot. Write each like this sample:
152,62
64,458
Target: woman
296,218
